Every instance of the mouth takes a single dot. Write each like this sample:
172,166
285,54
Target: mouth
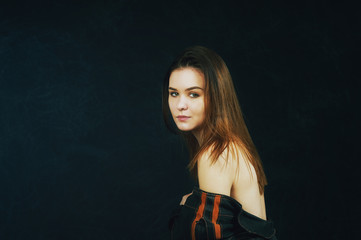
182,118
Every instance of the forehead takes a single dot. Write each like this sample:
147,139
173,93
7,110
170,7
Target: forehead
185,78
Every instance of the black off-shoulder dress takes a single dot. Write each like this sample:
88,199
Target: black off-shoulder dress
211,216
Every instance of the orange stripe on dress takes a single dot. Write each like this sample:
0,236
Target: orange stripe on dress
198,215
217,227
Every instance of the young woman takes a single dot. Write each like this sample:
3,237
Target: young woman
198,94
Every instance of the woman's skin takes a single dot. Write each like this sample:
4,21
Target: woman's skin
186,98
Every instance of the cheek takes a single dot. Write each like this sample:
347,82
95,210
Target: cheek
171,105
203,112
201,109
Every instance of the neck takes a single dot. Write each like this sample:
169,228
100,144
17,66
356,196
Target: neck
198,135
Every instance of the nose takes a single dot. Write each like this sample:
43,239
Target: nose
182,104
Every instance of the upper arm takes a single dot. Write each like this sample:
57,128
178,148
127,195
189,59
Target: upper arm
217,177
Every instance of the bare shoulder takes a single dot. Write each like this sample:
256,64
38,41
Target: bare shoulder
245,187
216,177
246,172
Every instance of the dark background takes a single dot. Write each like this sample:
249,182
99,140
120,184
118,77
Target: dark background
84,153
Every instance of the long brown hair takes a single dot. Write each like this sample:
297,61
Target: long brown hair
224,126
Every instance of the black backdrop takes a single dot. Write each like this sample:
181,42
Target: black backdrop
84,153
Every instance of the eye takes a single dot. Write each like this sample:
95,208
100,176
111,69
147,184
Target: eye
173,94
194,95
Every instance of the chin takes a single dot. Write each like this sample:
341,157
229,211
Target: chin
185,128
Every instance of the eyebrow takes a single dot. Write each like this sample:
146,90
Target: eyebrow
188,89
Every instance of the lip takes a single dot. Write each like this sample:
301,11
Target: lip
182,117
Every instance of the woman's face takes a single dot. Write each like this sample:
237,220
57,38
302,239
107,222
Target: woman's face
186,98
